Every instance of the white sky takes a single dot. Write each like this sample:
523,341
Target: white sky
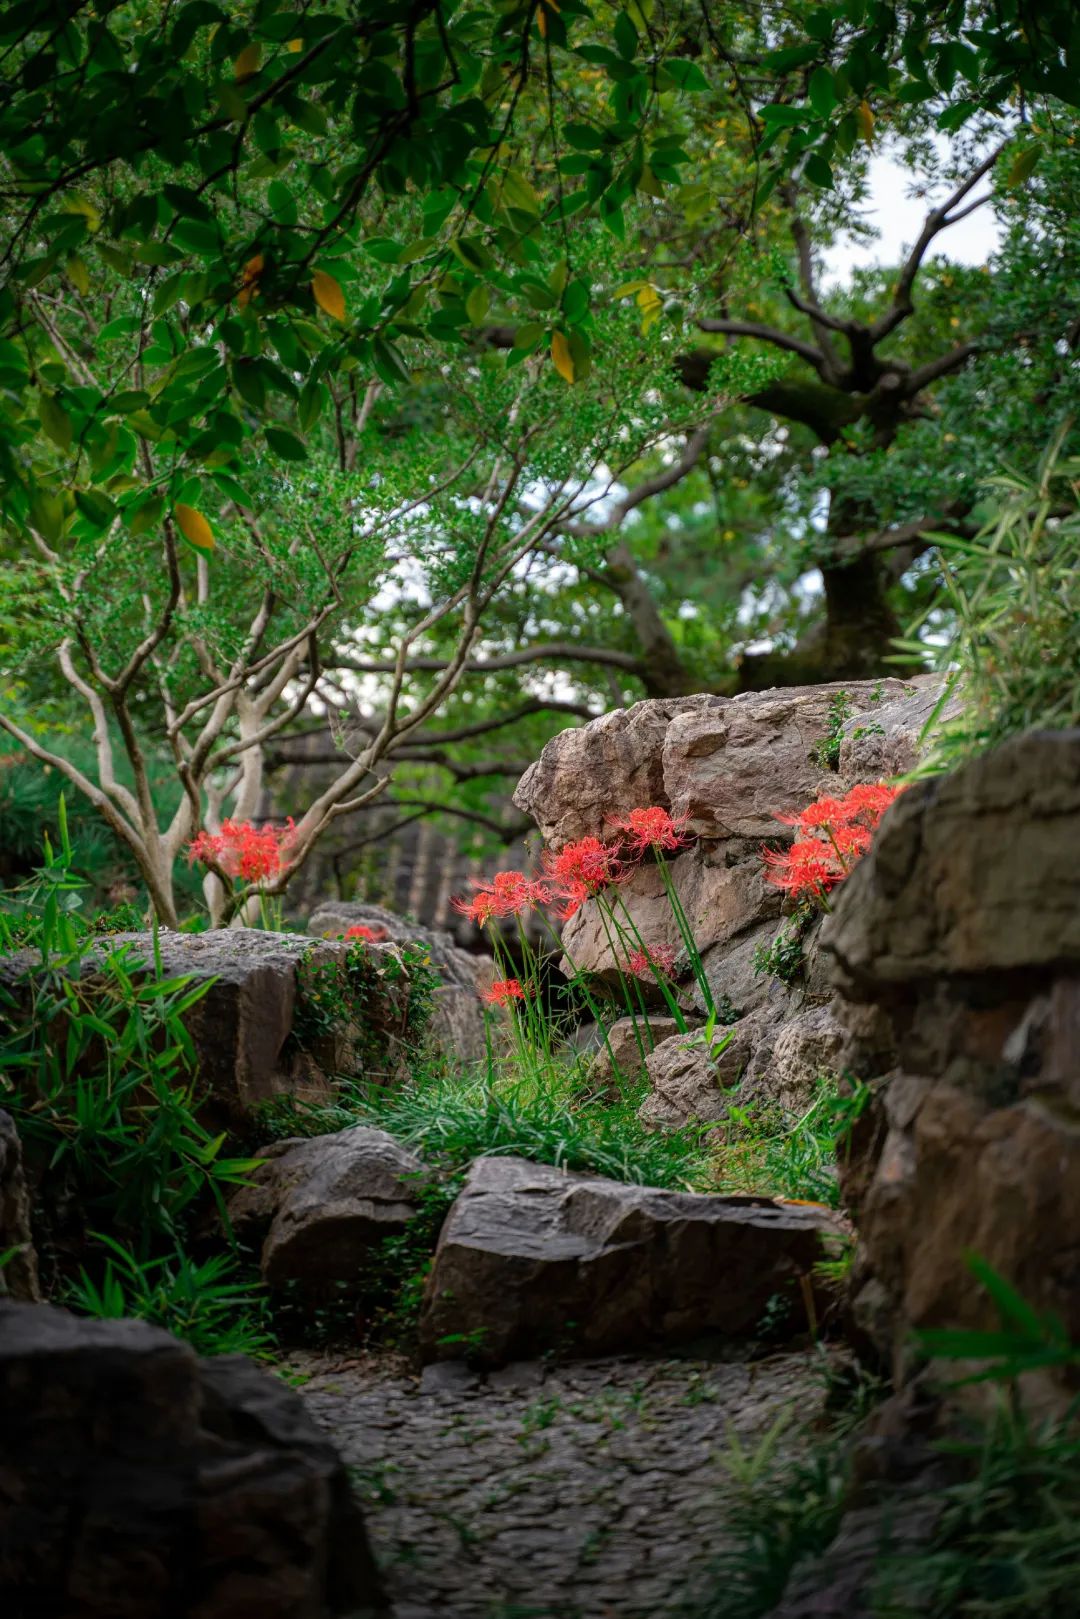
899,217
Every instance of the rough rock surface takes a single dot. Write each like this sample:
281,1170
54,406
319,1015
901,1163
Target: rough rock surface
687,1082
19,1276
626,1040
727,766
318,1204
458,1023
885,741
241,1026
595,1489
142,1483
963,926
531,1257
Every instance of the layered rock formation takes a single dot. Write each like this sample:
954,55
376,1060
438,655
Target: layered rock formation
725,767
140,1482
532,1258
248,1028
961,929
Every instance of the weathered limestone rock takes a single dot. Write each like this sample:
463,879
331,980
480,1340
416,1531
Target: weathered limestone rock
731,767
531,1258
318,1204
19,1276
625,1044
684,1084
140,1482
726,767
588,774
721,902
963,925
883,740
458,1021
241,1026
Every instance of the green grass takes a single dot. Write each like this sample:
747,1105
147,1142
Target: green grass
452,1119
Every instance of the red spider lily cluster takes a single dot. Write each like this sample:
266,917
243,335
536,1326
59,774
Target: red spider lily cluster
658,960
240,849
369,935
503,991
839,831
652,828
508,893
577,871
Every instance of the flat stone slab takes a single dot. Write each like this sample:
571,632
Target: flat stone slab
531,1259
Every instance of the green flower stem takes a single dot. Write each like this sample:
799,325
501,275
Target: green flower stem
682,922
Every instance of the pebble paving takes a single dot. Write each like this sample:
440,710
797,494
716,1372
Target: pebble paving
594,1490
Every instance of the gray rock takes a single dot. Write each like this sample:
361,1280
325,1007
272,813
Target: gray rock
532,1258
684,1084
19,1276
143,1483
731,767
318,1204
241,1026
973,872
458,1022
961,927
623,1050
590,773
884,739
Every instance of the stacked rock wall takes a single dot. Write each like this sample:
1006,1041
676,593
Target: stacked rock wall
725,767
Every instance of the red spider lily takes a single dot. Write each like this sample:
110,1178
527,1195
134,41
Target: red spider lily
359,931
657,961
580,870
651,828
808,867
825,812
841,829
503,991
244,850
872,800
508,893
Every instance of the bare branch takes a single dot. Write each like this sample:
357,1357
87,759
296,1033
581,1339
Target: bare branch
937,220
769,334
541,652
941,367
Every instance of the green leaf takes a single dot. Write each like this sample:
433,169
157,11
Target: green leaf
1023,165
626,38
821,92
285,444
687,75
389,362
478,303
55,420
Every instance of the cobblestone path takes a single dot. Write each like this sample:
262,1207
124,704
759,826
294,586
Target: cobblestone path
589,1491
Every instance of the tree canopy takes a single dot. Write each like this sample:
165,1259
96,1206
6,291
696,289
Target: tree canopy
383,386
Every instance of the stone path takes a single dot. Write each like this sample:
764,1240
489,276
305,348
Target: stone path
589,1491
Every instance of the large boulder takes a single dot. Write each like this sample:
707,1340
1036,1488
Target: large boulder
140,1482
317,1205
252,1033
18,1273
962,927
725,767
533,1258
458,1020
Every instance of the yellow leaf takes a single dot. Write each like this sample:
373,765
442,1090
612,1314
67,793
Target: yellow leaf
1023,165
628,287
328,294
541,21
249,289
295,45
561,357
864,116
78,274
247,63
194,527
